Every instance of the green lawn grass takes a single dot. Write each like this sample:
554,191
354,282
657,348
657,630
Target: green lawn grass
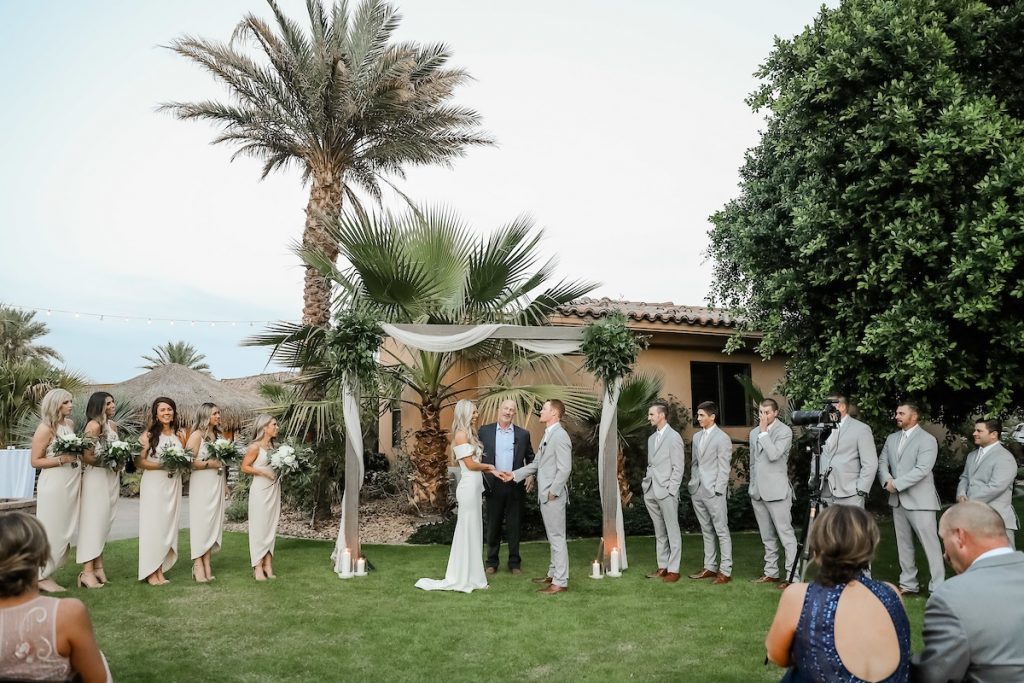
310,625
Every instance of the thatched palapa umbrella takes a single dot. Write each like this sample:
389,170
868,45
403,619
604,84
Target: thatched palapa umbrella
189,389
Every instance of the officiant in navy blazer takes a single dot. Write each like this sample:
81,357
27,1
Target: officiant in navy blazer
507,447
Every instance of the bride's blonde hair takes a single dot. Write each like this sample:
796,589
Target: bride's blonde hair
462,421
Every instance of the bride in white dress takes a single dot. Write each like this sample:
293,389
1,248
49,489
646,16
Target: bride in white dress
465,571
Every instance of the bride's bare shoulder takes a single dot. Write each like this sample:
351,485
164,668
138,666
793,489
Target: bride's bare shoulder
460,438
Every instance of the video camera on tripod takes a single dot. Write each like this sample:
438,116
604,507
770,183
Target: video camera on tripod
819,423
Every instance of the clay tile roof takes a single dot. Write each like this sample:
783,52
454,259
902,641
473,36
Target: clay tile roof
665,312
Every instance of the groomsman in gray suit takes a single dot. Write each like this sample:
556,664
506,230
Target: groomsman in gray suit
973,622
709,482
905,471
849,460
661,491
552,466
989,473
771,494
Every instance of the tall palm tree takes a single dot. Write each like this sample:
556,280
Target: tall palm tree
19,331
180,353
342,102
427,266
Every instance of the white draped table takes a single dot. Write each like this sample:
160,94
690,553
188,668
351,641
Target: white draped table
17,477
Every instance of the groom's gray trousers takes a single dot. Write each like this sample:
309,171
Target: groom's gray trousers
553,512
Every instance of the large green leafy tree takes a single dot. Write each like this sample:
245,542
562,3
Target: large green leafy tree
342,102
427,266
877,238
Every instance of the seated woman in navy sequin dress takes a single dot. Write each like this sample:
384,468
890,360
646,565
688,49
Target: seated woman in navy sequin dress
843,626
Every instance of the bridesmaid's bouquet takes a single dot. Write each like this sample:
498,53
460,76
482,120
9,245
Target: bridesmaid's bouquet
289,459
71,444
176,460
116,454
225,451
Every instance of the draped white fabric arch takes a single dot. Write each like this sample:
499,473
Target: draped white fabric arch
445,338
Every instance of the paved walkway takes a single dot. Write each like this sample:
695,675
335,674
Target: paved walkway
126,523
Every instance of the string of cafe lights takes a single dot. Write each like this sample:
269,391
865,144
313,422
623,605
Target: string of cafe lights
146,319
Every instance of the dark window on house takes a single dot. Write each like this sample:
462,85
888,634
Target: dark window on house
717,382
396,424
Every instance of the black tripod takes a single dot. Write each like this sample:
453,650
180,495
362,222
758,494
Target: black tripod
815,504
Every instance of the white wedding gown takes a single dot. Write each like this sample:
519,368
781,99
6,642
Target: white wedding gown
465,571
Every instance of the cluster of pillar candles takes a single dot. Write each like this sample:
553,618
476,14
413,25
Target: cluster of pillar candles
346,566
613,566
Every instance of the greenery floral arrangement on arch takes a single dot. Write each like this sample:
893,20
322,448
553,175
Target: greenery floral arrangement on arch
352,344
610,349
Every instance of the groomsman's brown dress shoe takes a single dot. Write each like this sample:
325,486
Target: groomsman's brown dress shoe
490,570
704,574
552,589
670,577
658,574
765,579
516,571
722,578
542,579
782,585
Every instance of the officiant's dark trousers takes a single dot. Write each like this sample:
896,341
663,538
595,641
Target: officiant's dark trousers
504,509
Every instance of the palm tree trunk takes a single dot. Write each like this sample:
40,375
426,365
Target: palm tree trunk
324,200
324,204
430,460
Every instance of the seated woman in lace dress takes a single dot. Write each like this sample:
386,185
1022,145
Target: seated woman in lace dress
41,638
843,626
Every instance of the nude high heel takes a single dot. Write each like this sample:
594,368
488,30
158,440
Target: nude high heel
89,580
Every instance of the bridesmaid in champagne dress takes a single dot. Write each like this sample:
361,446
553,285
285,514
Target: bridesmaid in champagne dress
465,572
264,498
59,484
101,490
205,494
159,495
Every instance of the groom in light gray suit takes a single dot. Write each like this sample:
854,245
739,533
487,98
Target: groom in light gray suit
849,459
709,482
989,473
973,622
661,491
552,466
771,494
905,471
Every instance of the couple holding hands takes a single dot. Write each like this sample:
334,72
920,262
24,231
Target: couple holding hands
552,466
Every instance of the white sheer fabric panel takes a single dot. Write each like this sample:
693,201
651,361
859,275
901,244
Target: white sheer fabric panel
607,456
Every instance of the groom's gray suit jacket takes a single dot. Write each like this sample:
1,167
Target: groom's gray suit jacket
769,462
991,481
553,465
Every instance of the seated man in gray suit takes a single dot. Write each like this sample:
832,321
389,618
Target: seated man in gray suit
552,466
771,494
989,473
905,471
709,482
973,622
849,459
661,491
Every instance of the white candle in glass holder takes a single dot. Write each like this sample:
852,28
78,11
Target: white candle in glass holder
361,566
615,562
596,573
346,562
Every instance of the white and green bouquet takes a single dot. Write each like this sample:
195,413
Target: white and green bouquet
116,454
176,460
224,451
71,444
290,458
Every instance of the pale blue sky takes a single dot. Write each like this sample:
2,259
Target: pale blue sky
621,127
